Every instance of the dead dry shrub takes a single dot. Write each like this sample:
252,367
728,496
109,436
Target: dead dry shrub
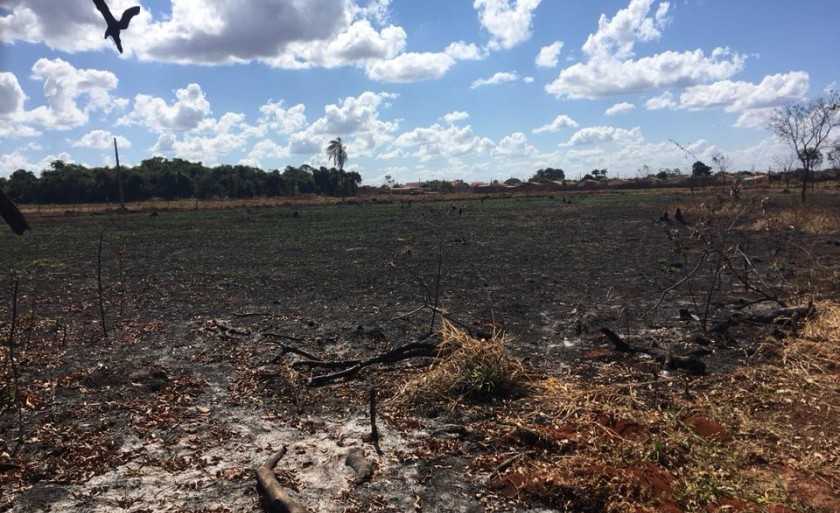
467,368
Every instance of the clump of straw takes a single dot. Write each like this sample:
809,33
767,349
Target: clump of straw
467,368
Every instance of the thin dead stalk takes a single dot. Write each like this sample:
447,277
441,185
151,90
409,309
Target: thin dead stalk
437,287
677,284
99,284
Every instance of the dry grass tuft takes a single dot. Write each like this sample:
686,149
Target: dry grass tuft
468,368
808,219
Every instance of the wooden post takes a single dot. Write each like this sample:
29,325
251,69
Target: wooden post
119,177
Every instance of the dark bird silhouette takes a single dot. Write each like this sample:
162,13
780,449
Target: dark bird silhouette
664,217
12,215
679,216
114,26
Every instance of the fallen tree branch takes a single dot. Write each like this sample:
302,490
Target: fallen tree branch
276,499
250,314
690,364
779,316
224,328
411,350
501,467
324,364
282,336
284,349
619,344
409,314
783,315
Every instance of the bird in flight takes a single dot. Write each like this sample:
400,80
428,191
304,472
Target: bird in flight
114,26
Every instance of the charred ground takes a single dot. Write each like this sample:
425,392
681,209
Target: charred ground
188,392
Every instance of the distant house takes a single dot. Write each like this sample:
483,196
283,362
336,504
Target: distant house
757,179
405,189
459,186
724,179
618,183
529,187
589,184
483,188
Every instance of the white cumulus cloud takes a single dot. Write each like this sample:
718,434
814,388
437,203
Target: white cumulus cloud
411,67
604,77
605,134
772,91
547,58
514,145
619,108
612,68
188,110
663,101
560,122
439,142
455,116
274,116
64,86
616,37
12,112
499,77
507,21
11,95
101,139
462,51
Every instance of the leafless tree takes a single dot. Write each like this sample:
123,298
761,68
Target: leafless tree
806,127
784,163
722,162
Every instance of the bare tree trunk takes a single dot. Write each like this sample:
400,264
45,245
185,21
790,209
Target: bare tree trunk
804,184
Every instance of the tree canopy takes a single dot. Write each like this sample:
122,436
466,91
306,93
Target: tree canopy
173,179
548,175
700,169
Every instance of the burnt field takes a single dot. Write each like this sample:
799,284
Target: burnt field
713,388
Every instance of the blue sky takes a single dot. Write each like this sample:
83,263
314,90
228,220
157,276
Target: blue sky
438,89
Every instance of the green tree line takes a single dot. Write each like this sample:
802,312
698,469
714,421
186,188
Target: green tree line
174,179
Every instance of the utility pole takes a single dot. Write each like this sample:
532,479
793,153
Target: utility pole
119,177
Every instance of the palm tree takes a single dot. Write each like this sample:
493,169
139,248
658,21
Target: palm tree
337,152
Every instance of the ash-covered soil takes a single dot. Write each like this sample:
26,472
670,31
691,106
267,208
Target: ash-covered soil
189,391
